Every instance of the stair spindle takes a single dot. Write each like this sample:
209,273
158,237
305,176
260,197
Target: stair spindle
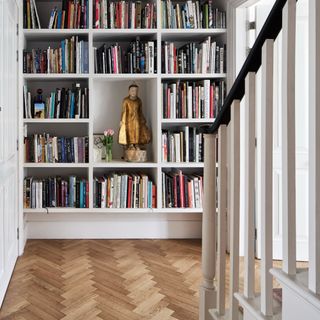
234,207
249,188
314,146
266,165
288,138
222,215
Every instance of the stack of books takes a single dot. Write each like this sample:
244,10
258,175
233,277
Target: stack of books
192,99
205,57
69,14
54,192
124,14
62,103
140,57
70,57
48,149
181,190
182,145
192,15
124,191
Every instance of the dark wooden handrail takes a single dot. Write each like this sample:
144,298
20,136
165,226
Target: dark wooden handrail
270,30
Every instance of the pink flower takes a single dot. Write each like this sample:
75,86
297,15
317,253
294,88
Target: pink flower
108,132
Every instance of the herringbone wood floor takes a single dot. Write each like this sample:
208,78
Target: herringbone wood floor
105,279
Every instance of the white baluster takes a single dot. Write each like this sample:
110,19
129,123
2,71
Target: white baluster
249,174
234,207
266,125
207,289
314,146
222,215
288,138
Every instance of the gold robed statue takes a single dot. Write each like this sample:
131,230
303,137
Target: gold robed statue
133,132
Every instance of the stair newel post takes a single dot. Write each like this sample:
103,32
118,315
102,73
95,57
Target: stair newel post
314,146
234,207
207,289
288,152
266,165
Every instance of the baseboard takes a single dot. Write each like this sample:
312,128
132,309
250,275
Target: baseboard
113,226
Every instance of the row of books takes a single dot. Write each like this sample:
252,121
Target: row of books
206,57
182,145
43,148
124,191
53,192
140,57
62,103
181,190
124,14
192,15
192,99
74,14
69,14
70,57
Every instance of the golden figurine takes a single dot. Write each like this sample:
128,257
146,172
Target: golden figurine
133,131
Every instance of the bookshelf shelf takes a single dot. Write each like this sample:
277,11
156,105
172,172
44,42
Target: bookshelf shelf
105,95
187,121
182,165
66,121
54,76
45,34
193,75
124,164
56,165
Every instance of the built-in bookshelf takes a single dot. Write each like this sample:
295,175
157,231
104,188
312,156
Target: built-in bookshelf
82,89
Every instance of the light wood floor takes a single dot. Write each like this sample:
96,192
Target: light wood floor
105,279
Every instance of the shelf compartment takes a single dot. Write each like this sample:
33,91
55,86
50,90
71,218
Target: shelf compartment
45,34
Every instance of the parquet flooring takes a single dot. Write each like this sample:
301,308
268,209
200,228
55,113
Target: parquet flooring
105,280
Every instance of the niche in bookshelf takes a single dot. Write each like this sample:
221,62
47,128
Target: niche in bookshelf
108,95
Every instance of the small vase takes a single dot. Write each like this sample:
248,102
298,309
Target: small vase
108,152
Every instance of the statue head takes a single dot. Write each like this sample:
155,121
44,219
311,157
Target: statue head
133,91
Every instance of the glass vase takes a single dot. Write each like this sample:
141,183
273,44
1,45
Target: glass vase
108,152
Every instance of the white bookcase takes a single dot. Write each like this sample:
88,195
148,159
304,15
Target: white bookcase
106,92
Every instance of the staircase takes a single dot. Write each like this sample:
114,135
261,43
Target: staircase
299,298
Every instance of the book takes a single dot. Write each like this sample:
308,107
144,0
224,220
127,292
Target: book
39,110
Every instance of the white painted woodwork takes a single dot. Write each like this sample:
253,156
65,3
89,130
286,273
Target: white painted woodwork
222,214
8,142
249,188
234,208
288,138
266,201
106,92
207,289
314,146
